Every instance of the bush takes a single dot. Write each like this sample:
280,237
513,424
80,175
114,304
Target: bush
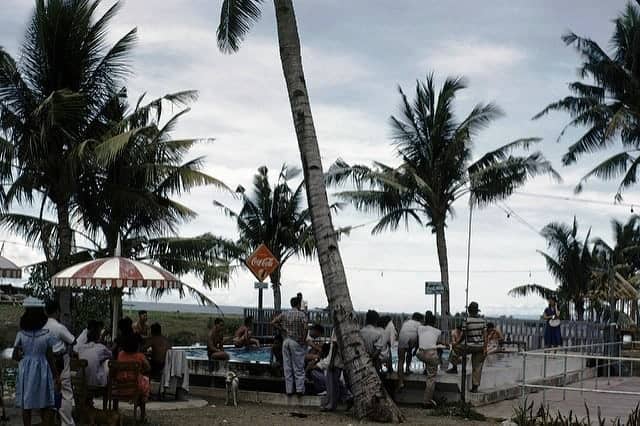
91,304
524,416
182,338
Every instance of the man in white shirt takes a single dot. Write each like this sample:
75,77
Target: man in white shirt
428,338
407,341
372,336
95,354
65,339
82,337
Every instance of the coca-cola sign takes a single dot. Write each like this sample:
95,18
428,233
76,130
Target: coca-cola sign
262,262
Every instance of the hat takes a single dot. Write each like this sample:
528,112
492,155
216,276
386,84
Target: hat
473,306
32,302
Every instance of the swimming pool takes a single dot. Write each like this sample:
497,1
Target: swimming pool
262,355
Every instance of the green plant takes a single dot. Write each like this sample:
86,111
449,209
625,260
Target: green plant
524,415
90,304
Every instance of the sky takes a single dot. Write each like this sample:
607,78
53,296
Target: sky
355,56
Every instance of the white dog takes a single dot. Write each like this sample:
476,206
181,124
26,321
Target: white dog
232,384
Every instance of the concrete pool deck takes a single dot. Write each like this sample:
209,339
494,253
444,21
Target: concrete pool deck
501,378
611,406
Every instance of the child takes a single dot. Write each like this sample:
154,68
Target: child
494,338
38,378
130,353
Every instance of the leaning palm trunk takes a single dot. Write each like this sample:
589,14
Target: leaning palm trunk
441,245
371,399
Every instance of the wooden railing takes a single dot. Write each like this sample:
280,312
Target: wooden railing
527,332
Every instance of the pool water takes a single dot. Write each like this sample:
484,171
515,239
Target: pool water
262,355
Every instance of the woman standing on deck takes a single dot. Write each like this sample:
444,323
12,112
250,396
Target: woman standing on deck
552,335
37,375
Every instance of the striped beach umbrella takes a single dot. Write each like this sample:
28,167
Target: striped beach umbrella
8,269
115,272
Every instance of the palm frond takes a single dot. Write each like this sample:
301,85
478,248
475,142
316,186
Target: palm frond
29,228
236,19
532,289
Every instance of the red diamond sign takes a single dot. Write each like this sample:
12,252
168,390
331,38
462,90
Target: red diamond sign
262,262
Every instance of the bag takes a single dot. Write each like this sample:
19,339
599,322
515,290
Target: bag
554,323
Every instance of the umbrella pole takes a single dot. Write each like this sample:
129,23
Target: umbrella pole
116,308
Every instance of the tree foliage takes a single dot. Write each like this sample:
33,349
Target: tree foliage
274,215
436,163
606,101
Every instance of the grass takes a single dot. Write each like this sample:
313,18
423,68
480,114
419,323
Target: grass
187,328
9,320
181,328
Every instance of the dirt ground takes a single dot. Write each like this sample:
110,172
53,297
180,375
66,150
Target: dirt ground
216,413
256,414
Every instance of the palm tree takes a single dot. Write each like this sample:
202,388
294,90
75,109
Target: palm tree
276,217
436,169
127,180
50,101
236,19
615,267
606,101
626,245
570,263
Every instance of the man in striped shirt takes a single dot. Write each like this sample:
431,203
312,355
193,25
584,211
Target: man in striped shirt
473,341
293,324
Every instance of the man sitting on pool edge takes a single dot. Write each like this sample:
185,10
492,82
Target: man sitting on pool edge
215,343
242,338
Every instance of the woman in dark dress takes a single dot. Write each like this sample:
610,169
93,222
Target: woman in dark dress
551,315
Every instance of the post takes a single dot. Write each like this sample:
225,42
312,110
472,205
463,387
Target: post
564,374
435,304
260,309
466,302
544,379
524,376
463,378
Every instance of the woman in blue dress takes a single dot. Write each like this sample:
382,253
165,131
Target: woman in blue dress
552,335
37,374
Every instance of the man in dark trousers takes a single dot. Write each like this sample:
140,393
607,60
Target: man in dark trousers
474,333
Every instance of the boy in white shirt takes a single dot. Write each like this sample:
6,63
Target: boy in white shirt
428,338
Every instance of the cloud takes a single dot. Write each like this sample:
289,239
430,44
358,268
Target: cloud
474,58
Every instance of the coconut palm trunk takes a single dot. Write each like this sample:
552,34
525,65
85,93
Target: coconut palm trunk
441,245
275,284
371,399
65,243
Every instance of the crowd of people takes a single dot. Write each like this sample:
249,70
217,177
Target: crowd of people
44,348
306,356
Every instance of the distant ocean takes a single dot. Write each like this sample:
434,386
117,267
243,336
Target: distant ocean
226,310
182,307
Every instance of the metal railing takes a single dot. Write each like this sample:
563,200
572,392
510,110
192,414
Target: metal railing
599,361
530,333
